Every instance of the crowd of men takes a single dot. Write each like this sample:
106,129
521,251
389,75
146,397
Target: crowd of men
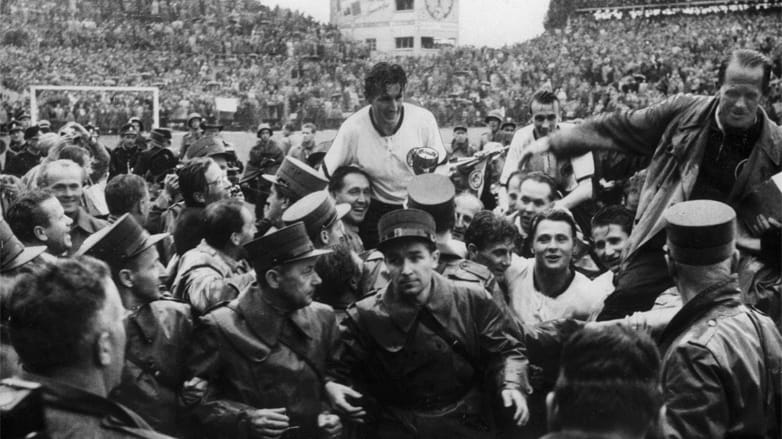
359,290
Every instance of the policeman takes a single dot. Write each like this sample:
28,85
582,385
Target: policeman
294,179
126,153
340,270
158,160
264,354
721,373
158,328
322,217
435,194
419,348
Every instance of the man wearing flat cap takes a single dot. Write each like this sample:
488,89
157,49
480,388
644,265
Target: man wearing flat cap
28,157
416,352
294,179
157,160
263,355
158,328
722,360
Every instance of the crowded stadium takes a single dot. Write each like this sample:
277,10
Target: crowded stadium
232,219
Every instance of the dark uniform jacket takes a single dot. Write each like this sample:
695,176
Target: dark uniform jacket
188,140
265,157
154,163
74,413
123,159
722,369
22,162
255,357
157,336
401,363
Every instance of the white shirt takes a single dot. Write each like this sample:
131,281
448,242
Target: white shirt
580,300
384,158
583,165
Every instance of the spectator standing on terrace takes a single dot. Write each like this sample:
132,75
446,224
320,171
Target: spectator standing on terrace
701,147
386,138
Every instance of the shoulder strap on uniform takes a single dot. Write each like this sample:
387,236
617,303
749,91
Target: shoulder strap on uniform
772,400
426,318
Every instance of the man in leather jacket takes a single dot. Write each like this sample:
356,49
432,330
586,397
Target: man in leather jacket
420,348
722,361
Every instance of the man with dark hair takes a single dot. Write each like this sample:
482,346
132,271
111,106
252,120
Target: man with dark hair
37,218
722,361
419,348
350,185
158,329
390,140
264,354
723,146
490,242
611,227
537,193
201,183
28,157
215,270
66,180
79,359
127,193
572,177
608,386
547,287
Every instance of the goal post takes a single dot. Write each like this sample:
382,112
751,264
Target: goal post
34,89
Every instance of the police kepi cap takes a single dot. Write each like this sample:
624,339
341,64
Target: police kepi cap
318,211
119,242
13,253
283,246
700,232
434,194
297,177
405,223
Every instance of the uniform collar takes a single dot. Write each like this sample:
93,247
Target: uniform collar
265,320
725,293
144,320
404,312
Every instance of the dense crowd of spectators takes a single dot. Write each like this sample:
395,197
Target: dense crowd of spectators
276,63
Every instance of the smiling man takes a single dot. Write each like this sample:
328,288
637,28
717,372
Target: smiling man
420,347
65,179
37,218
547,287
701,147
350,185
382,138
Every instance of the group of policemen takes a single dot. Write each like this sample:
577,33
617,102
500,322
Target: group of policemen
249,330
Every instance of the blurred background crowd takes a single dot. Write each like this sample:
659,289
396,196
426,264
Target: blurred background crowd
277,63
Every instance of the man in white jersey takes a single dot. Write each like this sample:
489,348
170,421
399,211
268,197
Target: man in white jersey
383,139
573,176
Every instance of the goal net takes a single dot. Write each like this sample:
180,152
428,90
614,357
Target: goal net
105,107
